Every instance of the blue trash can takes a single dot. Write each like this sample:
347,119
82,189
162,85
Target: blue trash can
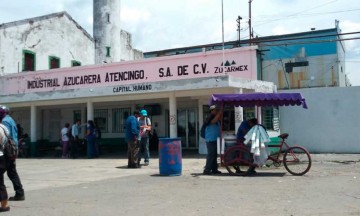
170,156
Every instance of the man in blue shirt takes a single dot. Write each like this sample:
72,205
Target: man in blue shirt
132,132
244,127
212,132
75,141
11,164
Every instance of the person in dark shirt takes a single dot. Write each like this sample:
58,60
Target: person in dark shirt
244,127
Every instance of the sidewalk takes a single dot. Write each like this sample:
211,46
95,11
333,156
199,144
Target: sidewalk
106,187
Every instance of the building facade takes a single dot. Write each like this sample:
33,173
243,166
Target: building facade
291,61
174,89
58,41
43,43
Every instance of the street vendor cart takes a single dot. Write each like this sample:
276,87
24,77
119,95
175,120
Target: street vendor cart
239,158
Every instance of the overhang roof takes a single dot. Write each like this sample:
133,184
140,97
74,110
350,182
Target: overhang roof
259,99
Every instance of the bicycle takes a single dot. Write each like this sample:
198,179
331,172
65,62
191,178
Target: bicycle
296,159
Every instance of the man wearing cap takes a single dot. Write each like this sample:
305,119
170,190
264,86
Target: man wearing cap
212,132
132,132
11,164
145,128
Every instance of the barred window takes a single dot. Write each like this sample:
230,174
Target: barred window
270,118
249,113
101,119
119,118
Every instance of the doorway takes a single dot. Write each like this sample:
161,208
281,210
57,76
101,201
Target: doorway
187,126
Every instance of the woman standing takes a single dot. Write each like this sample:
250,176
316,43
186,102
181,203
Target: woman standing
91,140
65,140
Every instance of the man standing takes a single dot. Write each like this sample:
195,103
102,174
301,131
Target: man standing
132,132
145,128
11,164
75,128
212,132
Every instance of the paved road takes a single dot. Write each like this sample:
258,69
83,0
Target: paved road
106,187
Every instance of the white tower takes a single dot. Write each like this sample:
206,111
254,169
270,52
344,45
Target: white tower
107,31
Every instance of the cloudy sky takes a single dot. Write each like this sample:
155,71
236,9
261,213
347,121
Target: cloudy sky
165,24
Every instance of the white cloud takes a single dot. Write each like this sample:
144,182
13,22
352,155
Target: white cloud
134,15
280,30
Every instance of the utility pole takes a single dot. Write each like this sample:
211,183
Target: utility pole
250,30
238,25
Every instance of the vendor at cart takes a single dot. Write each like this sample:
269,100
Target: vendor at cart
244,127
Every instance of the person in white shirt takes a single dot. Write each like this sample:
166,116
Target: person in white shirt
65,140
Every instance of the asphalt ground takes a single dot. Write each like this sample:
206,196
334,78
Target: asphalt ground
105,186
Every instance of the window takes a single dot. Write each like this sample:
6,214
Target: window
270,118
107,51
76,115
75,63
29,60
206,112
249,113
108,17
119,117
101,119
54,62
228,117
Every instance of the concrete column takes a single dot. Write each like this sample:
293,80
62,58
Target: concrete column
202,143
83,121
172,115
258,114
33,127
239,114
90,110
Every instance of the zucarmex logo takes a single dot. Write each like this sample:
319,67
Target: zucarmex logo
230,67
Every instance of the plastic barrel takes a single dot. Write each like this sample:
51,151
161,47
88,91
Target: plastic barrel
170,157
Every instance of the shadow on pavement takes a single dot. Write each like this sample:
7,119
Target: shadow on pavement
258,174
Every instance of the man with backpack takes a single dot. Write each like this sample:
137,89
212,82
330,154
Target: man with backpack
145,128
11,163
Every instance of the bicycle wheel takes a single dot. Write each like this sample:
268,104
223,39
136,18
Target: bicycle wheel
237,160
297,160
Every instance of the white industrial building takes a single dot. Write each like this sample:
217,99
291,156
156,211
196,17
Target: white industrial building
112,80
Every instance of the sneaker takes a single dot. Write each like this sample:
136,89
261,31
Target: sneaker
251,171
216,172
17,198
207,172
5,209
146,163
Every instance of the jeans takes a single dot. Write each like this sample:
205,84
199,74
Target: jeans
74,145
144,149
3,191
14,177
211,158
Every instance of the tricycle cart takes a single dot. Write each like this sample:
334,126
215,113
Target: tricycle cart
238,159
